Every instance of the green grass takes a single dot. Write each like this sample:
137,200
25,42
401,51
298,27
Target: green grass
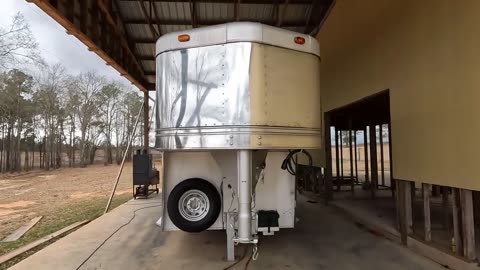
56,219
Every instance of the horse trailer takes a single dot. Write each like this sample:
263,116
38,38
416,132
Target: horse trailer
235,104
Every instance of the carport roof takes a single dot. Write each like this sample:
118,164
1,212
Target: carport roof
124,32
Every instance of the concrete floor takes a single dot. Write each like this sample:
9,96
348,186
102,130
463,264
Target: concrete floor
323,239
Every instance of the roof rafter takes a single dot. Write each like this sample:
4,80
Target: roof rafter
230,1
149,19
281,13
193,13
268,21
237,10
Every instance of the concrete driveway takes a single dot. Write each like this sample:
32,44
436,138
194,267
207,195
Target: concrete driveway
322,239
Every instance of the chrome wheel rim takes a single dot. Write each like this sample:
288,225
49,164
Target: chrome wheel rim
193,205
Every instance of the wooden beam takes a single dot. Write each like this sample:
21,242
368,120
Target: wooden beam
120,35
14,236
17,252
80,30
426,212
468,224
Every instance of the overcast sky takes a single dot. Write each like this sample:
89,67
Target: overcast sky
55,45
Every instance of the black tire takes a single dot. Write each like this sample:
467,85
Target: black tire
214,201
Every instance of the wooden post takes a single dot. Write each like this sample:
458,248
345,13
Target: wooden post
446,215
426,212
468,229
337,158
373,159
476,207
382,166
356,153
403,194
146,121
409,190
457,220
350,148
412,203
365,150
328,160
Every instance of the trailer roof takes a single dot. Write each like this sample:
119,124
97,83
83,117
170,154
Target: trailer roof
124,32
237,32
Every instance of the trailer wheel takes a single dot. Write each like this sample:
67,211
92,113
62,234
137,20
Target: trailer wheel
194,205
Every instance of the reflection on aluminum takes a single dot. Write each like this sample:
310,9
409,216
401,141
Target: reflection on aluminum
204,102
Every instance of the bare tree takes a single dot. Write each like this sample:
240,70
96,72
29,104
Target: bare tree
110,97
15,109
89,87
17,44
50,85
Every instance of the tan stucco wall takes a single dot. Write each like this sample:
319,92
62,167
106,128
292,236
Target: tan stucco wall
428,54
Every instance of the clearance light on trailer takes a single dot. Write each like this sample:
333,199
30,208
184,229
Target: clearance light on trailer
183,38
299,40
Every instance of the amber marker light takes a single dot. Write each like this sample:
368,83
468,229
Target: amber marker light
183,38
299,40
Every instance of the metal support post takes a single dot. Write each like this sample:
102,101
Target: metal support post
244,165
146,123
230,236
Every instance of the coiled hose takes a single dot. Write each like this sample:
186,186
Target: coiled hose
289,163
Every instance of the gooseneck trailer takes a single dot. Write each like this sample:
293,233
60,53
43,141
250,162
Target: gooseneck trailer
233,103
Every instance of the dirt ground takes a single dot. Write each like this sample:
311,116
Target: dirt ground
60,196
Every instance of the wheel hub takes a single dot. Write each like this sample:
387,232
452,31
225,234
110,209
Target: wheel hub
193,205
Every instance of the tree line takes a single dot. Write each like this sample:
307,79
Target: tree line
53,118
57,119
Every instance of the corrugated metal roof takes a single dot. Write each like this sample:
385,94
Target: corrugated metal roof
296,15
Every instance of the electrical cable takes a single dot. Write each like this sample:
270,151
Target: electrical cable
111,235
289,163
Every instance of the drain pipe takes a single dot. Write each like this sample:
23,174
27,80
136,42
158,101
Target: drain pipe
244,176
